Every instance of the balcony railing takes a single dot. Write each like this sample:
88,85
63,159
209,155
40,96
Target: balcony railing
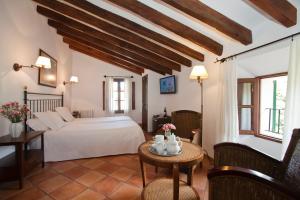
275,120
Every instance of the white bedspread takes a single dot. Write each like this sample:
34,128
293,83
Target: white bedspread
102,119
99,138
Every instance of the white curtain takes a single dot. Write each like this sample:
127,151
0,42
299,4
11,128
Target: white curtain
110,100
227,122
292,108
127,95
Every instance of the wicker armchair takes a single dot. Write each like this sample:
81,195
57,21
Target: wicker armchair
243,173
186,121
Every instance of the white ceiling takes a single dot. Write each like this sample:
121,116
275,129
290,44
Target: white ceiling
237,10
271,62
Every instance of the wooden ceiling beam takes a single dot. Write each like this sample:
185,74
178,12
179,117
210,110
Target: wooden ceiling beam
171,25
106,58
112,53
202,12
114,30
103,56
106,47
134,27
65,22
280,10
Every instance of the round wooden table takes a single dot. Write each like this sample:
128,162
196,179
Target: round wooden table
191,156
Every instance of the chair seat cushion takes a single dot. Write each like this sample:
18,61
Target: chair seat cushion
163,189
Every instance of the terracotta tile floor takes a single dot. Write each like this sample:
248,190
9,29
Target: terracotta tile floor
112,177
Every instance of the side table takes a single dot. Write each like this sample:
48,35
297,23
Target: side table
19,163
190,157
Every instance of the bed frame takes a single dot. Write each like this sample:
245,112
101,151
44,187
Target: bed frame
41,102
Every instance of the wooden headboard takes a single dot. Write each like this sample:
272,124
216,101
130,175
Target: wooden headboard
41,102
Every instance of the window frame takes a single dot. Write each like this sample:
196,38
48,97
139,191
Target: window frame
119,80
259,134
255,105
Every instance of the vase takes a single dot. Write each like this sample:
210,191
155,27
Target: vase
16,129
167,134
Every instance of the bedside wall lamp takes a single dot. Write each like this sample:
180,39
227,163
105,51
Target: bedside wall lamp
73,79
40,62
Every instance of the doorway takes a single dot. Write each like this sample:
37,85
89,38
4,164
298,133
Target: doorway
145,103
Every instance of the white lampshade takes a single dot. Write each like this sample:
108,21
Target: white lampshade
74,79
43,62
199,71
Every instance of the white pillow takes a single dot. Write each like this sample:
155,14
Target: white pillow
36,125
50,119
64,113
45,118
57,120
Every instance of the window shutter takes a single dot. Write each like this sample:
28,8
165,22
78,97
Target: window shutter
248,105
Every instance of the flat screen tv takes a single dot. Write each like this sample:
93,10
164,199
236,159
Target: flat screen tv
167,85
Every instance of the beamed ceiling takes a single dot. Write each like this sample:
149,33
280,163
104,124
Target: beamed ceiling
109,37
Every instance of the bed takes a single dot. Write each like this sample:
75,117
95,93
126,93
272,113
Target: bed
102,119
85,137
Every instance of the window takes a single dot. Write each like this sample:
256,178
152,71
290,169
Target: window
272,106
261,105
118,95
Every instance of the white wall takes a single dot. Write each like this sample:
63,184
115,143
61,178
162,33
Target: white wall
271,148
188,93
23,33
156,101
87,94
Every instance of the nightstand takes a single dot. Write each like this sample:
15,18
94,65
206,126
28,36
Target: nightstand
19,163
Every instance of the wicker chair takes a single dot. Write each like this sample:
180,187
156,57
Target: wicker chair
186,121
243,173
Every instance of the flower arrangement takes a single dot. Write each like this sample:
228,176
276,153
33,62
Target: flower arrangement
168,127
14,112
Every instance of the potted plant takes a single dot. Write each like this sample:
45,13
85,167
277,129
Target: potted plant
168,129
15,113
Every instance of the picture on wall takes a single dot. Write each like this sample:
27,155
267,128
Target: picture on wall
48,77
167,85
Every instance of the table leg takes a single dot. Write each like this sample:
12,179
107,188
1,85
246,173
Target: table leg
20,163
190,175
200,164
42,149
143,172
175,182
26,151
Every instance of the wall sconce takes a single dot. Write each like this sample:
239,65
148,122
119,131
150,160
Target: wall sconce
73,79
40,62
